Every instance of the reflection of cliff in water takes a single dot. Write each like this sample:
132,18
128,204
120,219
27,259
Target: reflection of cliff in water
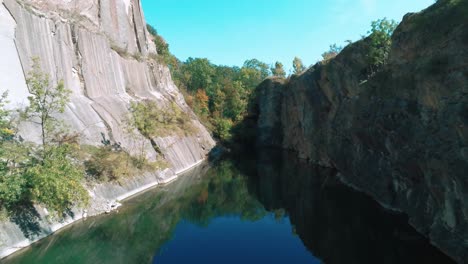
336,223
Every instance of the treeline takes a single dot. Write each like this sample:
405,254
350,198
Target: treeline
220,94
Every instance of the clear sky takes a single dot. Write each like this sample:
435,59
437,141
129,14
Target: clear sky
228,32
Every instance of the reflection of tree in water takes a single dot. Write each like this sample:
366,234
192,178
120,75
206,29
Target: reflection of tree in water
146,222
225,194
336,223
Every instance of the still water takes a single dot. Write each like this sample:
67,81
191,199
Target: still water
271,209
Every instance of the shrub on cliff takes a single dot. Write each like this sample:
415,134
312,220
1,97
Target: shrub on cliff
108,163
278,70
380,43
298,66
155,121
55,180
331,53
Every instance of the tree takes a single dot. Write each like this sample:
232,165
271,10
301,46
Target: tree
48,176
151,30
332,52
278,70
258,66
162,48
298,66
6,130
252,73
12,184
380,42
45,101
201,102
199,73
236,101
55,180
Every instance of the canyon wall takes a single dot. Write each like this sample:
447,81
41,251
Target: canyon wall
103,53
399,135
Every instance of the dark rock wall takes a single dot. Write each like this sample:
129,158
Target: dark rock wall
400,135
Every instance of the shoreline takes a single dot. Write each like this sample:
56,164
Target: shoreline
67,222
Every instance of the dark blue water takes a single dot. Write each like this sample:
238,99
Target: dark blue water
268,240
271,209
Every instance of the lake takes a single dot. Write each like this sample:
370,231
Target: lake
271,208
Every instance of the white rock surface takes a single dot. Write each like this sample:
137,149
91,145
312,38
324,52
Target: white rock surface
76,41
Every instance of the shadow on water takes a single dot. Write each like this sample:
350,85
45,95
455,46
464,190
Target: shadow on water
335,223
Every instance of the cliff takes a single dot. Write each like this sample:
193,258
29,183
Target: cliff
105,56
400,135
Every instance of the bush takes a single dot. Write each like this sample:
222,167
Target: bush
380,42
56,180
110,164
331,53
48,175
153,121
223,128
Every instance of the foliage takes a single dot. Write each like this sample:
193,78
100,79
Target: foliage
218,94
55,180
253,72
47,175
161,46
154,121
198,73
380,42
298,66
151,30
332,52
45,101
201,100
278,70
223,128
109,163
6,130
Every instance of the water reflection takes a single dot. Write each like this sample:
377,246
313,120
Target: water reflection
334,223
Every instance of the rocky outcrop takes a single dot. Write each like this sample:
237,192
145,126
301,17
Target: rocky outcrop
400,135
103,53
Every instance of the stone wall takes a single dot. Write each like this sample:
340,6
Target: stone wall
100,49
400,135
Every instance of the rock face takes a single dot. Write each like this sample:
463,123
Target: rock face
401,135
102,52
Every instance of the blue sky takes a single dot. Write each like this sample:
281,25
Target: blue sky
228,32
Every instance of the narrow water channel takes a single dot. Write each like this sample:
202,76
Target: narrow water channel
272,209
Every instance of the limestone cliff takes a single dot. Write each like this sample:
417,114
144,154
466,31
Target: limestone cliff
103,53
401,135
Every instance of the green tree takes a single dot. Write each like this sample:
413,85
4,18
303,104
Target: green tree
51,175
278,70
253,72
298,66
198,73
6,130
45,102
151,30
223,128
236,101
12,184
380,42
55,180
